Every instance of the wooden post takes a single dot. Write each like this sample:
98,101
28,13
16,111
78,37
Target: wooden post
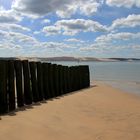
68,78
40,80
46,81
34,81
72,78
53,80
27,83
87,75
3,87
61,79
65,80
19,83
11,85
56,70
50,81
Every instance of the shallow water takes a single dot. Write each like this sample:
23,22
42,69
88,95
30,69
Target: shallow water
122,75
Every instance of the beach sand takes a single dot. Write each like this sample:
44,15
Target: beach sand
97,113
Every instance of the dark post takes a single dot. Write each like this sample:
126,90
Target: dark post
27,83
40,80
87,75
52,81
65,80
49,81
34,81
3,87
11,85
19,83
45,81
61,79
68,78
72,78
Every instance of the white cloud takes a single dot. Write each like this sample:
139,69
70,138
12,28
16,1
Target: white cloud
8,16
130,21
124,36
63,8
51,30
74,40
74,26
110,43
13,27
55,45
24,45
124,3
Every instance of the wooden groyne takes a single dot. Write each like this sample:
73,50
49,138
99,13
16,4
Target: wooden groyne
23,82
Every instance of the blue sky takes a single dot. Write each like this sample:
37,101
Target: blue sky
47,28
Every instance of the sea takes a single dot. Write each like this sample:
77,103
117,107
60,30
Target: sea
121,74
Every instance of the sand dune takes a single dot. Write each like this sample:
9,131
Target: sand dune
97,113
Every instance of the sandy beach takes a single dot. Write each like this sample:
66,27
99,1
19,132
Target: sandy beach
97,113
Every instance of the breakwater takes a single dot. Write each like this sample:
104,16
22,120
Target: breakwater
24,82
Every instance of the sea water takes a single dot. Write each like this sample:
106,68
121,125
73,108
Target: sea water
122,75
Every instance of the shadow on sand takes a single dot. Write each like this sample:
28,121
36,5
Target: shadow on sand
33,105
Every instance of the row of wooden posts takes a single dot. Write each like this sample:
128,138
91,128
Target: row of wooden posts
23,82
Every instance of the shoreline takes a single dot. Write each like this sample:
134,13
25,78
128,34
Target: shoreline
100,112
130,87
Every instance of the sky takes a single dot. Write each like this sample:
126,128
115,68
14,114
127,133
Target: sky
78,28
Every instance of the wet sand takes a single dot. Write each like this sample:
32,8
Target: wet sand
97,113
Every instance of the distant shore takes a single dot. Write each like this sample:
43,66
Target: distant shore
97,113
74,59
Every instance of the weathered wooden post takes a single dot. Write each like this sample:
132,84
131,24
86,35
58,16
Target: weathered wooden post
87,75
57,79
80,77
68,79
27,83
85,78
40,80
46,81
49,73
61,80
53,80
11,85
33,72
3,87
72,78
19,83
65,79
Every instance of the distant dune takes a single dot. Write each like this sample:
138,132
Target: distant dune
65,58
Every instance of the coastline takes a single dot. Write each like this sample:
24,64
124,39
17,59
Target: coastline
130,87
100,112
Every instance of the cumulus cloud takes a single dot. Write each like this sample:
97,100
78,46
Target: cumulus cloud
63,8
25,45
54,45
130,21
13,27
51,30
124,3
74,26
117,36
74,40
8,16
109,44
